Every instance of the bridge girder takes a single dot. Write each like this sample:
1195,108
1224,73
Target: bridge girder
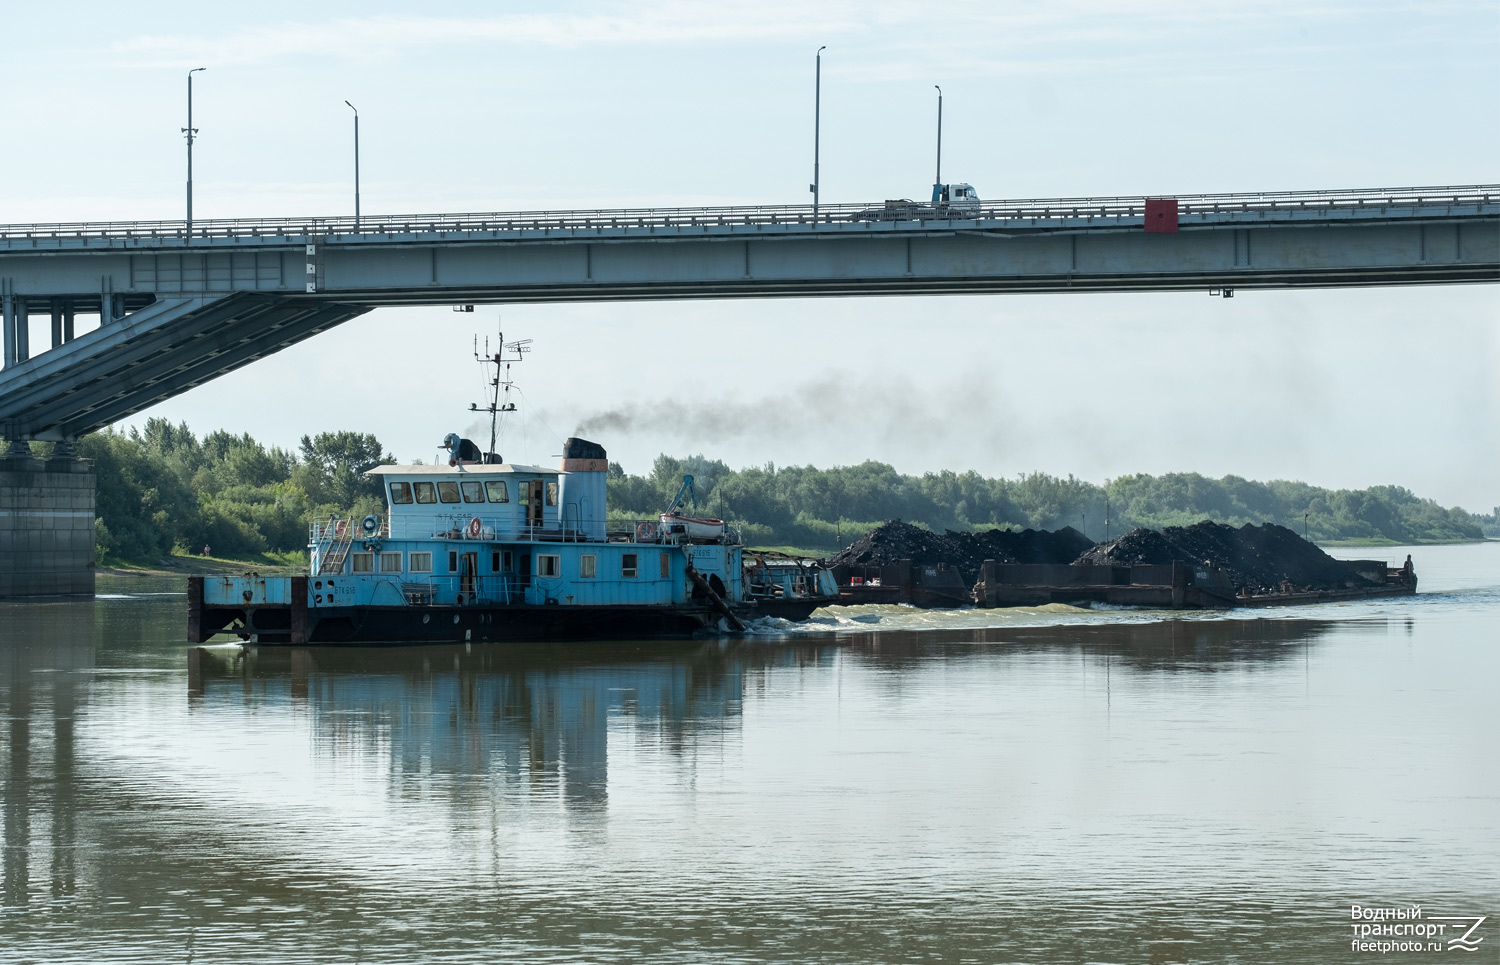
176,314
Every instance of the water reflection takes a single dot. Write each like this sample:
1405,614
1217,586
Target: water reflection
535,716
1167,645
42,690
540,717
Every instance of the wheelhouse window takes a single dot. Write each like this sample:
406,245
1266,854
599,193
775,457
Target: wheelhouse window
390,562
473,491
400,493
552,494
363,562
425,491
448,492
629,563
588,566
495,489
420,562
548,564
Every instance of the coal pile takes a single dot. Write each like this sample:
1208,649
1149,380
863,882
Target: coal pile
1058,547
1258,559
966,552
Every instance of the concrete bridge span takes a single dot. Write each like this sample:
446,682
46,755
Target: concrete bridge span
170,311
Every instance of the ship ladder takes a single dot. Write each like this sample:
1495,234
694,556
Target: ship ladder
332,560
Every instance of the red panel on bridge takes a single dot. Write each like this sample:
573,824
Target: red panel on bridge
1161,216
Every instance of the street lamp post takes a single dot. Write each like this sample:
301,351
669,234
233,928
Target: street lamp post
191,132
937,182
356,164
817,127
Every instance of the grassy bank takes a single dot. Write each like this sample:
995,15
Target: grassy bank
181,564
1379,542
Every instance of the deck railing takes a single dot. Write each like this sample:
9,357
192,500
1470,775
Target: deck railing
349,228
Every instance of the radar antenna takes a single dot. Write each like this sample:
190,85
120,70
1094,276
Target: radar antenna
505,354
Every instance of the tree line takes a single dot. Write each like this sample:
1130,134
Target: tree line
823,509
163,489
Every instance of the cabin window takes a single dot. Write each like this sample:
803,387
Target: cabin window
390,562
420,562
496,490
548,564
552,494
495,562
363,562
507,562
473,491
400,493
452,561
448,492
588,566
666,566
425,492
628,564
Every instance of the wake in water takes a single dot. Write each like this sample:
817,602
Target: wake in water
904,617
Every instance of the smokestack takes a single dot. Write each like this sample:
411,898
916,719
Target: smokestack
582,491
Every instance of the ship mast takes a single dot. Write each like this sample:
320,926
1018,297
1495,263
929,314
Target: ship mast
500,383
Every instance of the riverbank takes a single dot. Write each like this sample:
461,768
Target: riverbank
1380,541
289,564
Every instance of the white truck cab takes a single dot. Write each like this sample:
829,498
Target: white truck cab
956,197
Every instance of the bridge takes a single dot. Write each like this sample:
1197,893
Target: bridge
169,311
142,311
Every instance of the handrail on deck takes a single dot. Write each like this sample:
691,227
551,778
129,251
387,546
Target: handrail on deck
621,218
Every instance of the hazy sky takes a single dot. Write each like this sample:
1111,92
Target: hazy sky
486,106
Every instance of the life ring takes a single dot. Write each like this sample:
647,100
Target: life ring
475,528
370,524
341,527
645,532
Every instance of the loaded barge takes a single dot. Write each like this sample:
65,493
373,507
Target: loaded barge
1175,586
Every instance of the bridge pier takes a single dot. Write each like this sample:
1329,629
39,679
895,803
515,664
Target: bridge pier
15,329
46,524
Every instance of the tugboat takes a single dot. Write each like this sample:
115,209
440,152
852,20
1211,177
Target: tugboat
482,550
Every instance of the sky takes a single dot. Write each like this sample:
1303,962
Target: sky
502,107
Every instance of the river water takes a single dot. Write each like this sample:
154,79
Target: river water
880,785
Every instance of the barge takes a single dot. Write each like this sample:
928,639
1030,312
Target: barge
1177,586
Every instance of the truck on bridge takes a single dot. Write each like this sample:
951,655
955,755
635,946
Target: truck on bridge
948,201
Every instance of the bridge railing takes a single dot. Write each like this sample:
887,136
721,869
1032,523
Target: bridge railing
625,218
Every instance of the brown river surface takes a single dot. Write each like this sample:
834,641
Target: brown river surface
878,785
